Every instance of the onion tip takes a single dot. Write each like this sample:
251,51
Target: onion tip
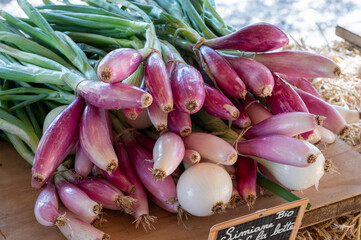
126,203
319,120
172,200
146,100
345,131
158,174
97,209
218,208
191,105
161,127
266,91
232,158
146,222
167,108
60,221
106,236
112,166
235,200
182,214
186,132
251,200
106,75
312,158
38,177
329,167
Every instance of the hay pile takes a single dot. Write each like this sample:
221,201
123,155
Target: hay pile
347,227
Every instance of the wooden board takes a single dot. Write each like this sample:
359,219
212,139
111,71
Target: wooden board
351,32
337,194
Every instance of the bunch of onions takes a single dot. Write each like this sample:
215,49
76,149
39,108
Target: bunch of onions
264,97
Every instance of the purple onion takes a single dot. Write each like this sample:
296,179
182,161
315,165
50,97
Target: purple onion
169,207
75,229
279,149
334,120
56,141
132,113
46,207
247,179
157,117
259,37
191,157
243,120
188,88
145,141
157,82
211,147
168,153
140,207
141,160
288,124
225,76
141,122
83,166
109,126
230,170
256,76
106,194
302,83
119,179
284,98
97,172
118,65
299,64
256,111
235,198
218,105
113,96
180,122
76,200
95,139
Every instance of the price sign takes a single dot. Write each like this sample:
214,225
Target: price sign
278,223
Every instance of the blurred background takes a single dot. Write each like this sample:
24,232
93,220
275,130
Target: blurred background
313,21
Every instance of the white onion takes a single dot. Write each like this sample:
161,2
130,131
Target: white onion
350,116
168,152
327,137
315,137
51,115
204,189
296,178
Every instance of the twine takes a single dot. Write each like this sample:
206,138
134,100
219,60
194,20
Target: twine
76,87
249,104
200,42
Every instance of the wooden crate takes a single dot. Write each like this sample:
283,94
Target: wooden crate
337,194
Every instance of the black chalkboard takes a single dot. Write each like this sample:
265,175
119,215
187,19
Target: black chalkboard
271,224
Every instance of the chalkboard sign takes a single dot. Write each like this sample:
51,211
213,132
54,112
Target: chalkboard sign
279,223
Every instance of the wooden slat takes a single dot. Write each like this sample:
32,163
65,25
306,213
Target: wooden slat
351,33
17,199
